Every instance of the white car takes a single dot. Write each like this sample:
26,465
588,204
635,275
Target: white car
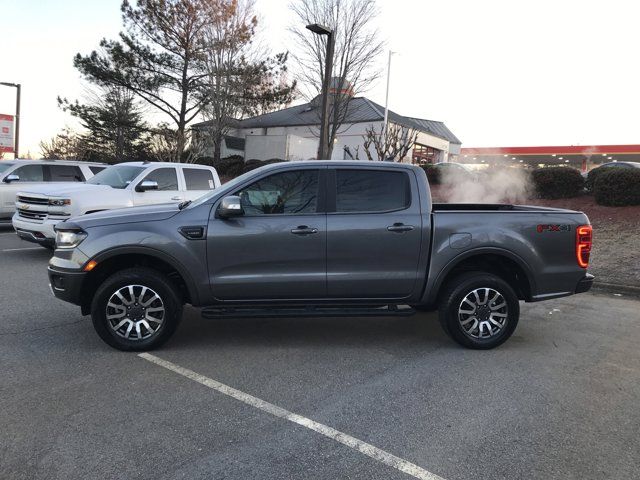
16,175
39,209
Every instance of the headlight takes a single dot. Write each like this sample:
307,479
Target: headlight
69,239
59,202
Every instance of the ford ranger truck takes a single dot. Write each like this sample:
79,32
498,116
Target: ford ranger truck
332,238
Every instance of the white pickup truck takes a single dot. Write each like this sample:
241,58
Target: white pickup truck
16,175
40,208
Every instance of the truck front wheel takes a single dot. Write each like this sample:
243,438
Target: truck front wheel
136,309
479,310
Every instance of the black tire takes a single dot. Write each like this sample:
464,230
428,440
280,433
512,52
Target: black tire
452,300
139,277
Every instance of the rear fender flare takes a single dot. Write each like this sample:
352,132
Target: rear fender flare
431,295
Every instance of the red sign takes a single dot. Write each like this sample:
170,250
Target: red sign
6,133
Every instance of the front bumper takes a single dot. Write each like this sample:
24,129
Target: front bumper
41,233
585,283
67,285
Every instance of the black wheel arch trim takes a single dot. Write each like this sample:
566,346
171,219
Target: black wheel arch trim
152,252
431,295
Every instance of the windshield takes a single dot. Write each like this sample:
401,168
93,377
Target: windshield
116,177
4,166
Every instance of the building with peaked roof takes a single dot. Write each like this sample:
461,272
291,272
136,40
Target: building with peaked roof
292,134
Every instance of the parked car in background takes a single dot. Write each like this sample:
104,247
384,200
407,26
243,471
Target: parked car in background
613,165
40,208
17,175
319,238
456,171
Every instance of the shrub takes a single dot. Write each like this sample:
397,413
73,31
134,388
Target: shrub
433,173
618,187
231,166
591,177
254,163
557,182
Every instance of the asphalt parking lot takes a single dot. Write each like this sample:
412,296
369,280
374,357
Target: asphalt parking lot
558,400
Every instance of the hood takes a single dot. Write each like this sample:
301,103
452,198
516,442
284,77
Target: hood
147,213
64,189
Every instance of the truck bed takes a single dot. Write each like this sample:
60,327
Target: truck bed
494,207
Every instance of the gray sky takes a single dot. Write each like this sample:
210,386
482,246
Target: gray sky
499,73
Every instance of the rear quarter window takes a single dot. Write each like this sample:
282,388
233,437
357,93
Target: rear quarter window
198,179
65,173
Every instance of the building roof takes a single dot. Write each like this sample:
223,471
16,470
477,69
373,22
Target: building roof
359,110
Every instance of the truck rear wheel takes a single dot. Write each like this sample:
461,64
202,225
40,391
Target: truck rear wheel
136,309
479,310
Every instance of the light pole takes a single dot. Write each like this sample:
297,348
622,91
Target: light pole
16,147
386,104
323,147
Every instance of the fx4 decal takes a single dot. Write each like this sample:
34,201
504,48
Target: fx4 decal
553,228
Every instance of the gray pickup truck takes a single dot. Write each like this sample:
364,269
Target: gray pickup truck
318,238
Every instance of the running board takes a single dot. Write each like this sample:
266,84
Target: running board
307,311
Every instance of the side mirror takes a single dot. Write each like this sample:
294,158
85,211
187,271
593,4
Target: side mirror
145,185
11,178
230,207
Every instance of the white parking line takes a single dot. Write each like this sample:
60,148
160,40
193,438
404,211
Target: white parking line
23,248
351,442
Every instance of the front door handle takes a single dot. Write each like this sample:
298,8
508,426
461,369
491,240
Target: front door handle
304,230
400,227
176,198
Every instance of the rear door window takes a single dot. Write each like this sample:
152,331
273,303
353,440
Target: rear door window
166,178
371,191
198,179
30,173
65,173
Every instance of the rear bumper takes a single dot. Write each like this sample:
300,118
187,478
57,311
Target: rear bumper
585,283
67,285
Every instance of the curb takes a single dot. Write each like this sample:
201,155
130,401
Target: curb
629,290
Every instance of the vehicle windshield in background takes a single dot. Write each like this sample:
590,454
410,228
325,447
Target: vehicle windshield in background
116,177
4,166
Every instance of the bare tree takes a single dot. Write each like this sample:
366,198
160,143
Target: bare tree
393,146
164,141
242,79
356,48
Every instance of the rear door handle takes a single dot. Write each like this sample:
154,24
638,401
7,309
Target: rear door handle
400,227
304,230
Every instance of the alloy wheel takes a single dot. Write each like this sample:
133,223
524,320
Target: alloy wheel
135,312
483,313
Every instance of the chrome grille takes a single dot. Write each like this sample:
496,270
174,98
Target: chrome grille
32,215
33,200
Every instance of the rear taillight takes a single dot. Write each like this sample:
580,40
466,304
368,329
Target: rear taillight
584,236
